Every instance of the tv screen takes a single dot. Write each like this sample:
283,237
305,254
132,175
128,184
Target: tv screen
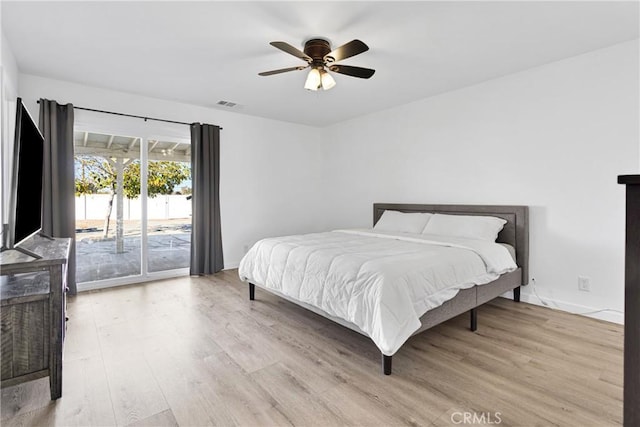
26,199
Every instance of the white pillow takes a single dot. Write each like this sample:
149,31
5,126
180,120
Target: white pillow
467,226
404,222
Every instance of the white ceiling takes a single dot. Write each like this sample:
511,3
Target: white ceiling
204,52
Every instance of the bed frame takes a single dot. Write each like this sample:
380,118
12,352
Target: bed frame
514,233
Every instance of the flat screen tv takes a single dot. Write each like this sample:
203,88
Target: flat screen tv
25,204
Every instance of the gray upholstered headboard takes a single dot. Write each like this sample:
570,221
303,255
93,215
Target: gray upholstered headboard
514,233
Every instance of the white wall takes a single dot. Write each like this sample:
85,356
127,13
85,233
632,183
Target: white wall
554,137
270,171
8,95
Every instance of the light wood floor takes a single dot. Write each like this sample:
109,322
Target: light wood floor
195,352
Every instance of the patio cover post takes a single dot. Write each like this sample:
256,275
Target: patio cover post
120,208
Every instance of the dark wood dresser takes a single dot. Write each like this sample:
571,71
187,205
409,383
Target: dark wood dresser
32,311
632,303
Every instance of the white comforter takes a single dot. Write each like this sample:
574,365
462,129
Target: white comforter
381,282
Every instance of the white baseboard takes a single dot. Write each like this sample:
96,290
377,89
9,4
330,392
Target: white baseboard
593,312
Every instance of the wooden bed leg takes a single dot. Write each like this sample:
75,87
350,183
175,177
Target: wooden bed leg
386,364
516,294
252,291
474,319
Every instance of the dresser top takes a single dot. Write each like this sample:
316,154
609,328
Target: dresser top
53,252
24,278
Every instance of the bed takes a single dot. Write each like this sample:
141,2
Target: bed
389,286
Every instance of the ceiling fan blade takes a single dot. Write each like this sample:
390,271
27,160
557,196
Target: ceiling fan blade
282,70
291,50
347,50
363,73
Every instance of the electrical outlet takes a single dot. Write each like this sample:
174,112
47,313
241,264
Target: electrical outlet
584,284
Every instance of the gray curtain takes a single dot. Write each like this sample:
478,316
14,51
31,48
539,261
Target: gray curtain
58,211
206,238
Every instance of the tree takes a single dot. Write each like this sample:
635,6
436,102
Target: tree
98,173
162,178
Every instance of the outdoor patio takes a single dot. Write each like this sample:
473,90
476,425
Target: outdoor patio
96,259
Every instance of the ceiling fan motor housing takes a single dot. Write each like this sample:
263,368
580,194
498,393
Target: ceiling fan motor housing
317,49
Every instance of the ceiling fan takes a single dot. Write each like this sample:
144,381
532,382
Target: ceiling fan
319,57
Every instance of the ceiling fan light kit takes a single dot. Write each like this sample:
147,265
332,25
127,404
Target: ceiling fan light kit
319,57
327,80
313,80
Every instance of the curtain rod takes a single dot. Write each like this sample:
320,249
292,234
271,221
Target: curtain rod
131,115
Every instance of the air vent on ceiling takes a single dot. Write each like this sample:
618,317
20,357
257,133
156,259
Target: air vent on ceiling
227,104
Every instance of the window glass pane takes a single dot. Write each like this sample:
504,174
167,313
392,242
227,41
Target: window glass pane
108,208
169,205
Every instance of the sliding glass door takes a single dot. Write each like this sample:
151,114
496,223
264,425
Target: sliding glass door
168,205
133,208
108,221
